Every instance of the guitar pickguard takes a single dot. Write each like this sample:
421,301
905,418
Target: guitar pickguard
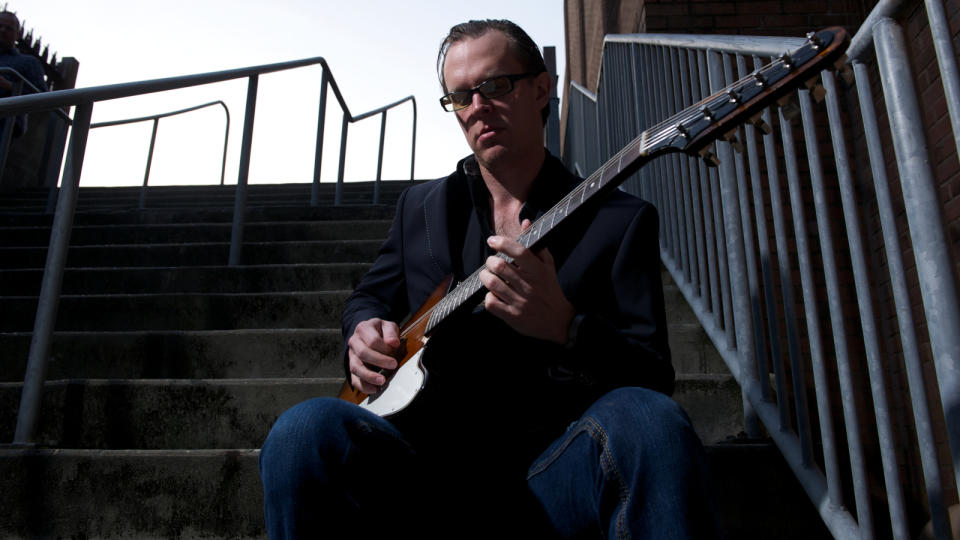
401,388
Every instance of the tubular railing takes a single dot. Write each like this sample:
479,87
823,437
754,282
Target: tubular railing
153,139
83,100
849,325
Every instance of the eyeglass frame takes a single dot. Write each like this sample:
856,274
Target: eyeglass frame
476,90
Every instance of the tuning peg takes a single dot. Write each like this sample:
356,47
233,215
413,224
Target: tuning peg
786,61
760,79
735,97
708,157
788,106
816,89
731,137
757,121
814,41
707,113
842,67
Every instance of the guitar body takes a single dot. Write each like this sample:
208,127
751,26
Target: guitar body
410,377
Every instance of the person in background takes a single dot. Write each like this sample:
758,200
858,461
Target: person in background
28,66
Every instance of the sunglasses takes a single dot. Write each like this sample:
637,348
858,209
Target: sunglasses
490,88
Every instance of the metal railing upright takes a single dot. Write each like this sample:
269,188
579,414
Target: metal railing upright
870,379
83,100
155,118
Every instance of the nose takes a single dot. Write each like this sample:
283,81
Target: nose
478,101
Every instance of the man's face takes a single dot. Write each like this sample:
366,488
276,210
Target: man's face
502,128
9,31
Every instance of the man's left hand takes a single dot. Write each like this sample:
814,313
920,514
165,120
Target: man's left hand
526,293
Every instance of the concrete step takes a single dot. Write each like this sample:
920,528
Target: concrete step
200,232
197,254
157,494
181,354
161,413
131,494
238,413
202,354
186,311
209,279
253,214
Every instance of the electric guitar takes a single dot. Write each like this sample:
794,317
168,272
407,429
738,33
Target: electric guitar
689,131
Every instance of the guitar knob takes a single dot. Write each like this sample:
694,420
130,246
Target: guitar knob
814,41
761,80
735,97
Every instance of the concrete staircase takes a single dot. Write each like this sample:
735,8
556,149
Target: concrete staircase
169,367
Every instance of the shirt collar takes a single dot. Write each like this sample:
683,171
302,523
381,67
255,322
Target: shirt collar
552,183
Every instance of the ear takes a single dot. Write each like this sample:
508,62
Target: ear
541,86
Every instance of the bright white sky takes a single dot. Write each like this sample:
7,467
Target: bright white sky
378,50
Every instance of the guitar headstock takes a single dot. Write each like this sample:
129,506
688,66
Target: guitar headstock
699,125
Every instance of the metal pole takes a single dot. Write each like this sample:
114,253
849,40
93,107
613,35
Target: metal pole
226,139
146,172
413,140
318,152
240,196
930,246
338,197
376,184
908,335
49,298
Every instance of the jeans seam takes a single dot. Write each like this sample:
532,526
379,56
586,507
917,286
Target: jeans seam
608,466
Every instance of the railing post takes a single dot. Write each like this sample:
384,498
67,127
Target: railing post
930,246
146,172
338,198
736,263
226,139
30,397
318,152
413,140
240,196
376,183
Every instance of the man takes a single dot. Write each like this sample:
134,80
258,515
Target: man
27,66
570,335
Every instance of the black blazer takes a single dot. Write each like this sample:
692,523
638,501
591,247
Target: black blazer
608,265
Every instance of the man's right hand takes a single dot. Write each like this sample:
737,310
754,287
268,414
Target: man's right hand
370,349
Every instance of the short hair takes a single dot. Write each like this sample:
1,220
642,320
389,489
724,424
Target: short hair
12,14
523,47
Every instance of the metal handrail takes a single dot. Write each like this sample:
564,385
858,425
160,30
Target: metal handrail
83,100
153,139
715,243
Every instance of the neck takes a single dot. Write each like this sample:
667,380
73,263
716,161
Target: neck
512,181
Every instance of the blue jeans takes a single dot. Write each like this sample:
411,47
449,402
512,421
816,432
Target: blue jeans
631,467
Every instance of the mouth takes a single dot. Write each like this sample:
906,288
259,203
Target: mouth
486,133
